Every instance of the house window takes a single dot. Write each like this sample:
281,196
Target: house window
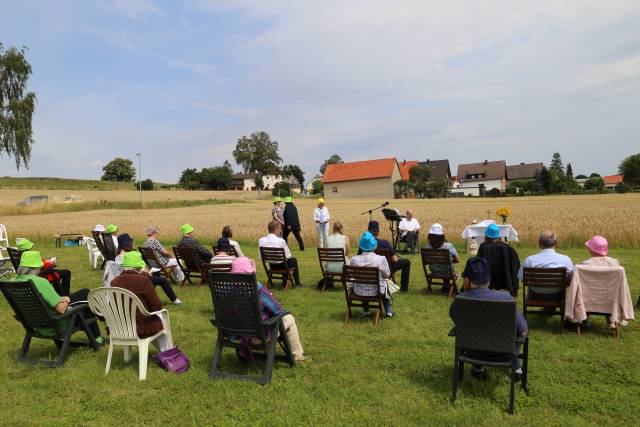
334,189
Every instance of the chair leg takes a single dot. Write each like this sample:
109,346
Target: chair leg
578,329
143,356
127,353
617,330
460,370
26,343
217,355
109,355
513,385
455,375
324,284
271,354
525,366
561,321
378,315
64,349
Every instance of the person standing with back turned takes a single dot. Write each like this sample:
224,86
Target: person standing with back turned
291,222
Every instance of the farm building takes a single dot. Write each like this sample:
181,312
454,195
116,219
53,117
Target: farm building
476,178
246,182
610,181
369,179
523,171
439,169
405,168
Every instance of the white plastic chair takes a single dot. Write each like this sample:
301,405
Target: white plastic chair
6,267
118,307
94,252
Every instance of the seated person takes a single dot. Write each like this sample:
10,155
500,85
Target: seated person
397,263
113,229
269,307
50,270
227,233
125,247
368,258
599,249
165,258
272,240
29,269
546,258
437,240
503,261
338,240
204,255
409,228
476,285
134,279
223,258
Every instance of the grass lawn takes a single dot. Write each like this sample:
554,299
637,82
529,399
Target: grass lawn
395,374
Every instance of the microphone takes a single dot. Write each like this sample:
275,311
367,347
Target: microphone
385,204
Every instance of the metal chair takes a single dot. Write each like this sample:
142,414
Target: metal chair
367,278
40,321
554,278
238,319
488,327
436,265
330,257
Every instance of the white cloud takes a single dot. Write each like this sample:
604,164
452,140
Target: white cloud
134,9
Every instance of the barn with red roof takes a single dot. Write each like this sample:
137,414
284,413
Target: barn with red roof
369,179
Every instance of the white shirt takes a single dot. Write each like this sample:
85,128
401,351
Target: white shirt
546,258
273,241
321,215
408,225
370,259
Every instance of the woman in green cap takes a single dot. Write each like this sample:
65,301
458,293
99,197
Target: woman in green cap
50,270
29,269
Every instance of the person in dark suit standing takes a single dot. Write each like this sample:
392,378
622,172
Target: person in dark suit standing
502,259
291,222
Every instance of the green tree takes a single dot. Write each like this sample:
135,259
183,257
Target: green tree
556,164
419,180
147,185
190,179
438,188
119,170
16,106
258,155
630,170
401,189
569,170
317,187
216,178
543,180
295,172
334,159
594,183
281,189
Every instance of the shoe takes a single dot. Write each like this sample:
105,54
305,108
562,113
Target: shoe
176,301
365,314
99,340
299,285
389,314
479,373
302,359
518,375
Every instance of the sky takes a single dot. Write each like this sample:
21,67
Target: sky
180,81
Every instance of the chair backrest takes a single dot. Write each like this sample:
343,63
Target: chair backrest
14,254
438,261
544,278
236,303
118,307
330,255
219,267
91,244
28,305
4,237
232,252
483,325
385,253
187,257
110,250
97,237
150,257
368,277
273,255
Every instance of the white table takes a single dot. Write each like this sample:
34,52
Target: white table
477,230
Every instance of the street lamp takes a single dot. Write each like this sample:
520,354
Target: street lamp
140,176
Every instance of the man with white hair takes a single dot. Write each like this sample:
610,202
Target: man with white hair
409,227
165,257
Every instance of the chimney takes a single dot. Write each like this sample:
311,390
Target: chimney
522,163
427,161
485,162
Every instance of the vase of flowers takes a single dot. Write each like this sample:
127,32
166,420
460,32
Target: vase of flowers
504,213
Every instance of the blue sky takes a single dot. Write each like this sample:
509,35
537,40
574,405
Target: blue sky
181,81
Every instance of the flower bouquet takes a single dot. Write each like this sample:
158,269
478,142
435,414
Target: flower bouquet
504,213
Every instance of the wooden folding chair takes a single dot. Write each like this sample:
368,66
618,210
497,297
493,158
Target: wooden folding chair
554,278
336,257
436,265
238,319
367,278
35,314
218,268
190,264
387,254
152,260
232,252
275,264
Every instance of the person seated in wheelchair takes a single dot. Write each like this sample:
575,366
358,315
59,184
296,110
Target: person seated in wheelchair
476,286
269,307
29,269
409,228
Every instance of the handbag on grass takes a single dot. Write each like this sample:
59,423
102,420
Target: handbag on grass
173,360
392,287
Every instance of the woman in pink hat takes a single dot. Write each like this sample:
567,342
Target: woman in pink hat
599,249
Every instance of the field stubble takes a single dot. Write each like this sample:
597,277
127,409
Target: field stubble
574,218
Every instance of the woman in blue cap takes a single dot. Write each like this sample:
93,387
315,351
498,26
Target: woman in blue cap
368,258
503,260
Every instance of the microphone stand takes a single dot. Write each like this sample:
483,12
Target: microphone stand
370,211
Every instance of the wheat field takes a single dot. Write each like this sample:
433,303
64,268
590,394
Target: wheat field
574,218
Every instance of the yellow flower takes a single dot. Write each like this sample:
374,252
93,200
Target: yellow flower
504,212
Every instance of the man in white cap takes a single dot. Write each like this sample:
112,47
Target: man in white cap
409,227
321,217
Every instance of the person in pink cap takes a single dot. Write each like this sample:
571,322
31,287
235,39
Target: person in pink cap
269,306
599,249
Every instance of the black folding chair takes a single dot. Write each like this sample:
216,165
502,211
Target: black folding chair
33,313
486,335
16,254
237,314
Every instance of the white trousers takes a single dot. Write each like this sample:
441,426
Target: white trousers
323,234
291,329
176,271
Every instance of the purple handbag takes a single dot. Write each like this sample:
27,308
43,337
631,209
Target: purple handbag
172,360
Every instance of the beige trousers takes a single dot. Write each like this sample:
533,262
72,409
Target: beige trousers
291,329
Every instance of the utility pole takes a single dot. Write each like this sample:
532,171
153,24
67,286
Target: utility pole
140,176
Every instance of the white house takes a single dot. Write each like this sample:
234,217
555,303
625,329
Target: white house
246,182
477,178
